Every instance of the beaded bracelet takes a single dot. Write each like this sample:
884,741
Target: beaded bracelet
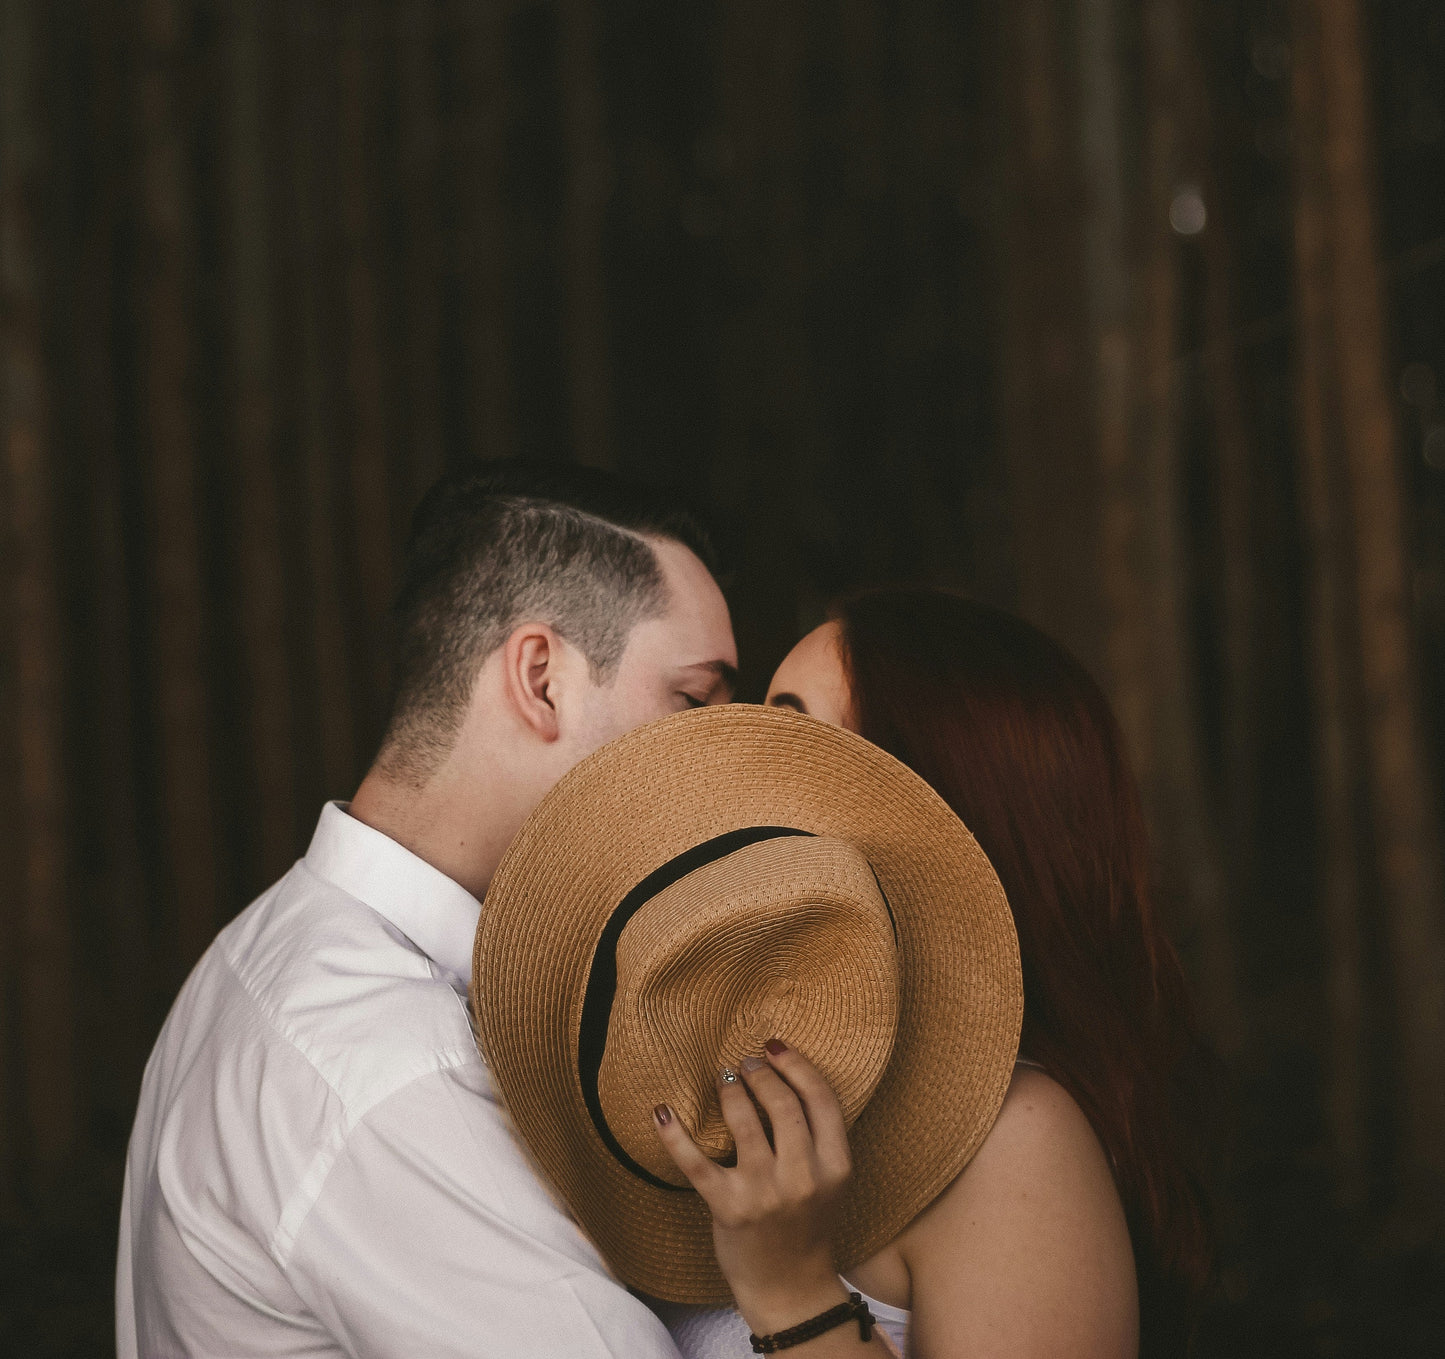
824,1321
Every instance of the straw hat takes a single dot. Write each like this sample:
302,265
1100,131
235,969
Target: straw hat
708,882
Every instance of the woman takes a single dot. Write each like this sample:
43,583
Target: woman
1077,1228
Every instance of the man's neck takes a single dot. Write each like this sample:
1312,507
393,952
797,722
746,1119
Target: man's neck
461,836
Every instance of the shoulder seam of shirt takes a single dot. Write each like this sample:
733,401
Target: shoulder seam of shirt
286,1032
283,1030
303,1199
443,1059
298,1206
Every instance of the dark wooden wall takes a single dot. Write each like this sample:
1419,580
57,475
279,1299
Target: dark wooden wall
908,291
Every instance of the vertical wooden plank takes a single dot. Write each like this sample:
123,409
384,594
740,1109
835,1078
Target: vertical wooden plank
854,509
416,175
767,397
941,522
1045,369
1403,801
476,140
1110,291
1131,270
963,502
589,177
41,945
369,475
12,875
134,987
1186,811
309,63
1233,449
171,476
15,256
1330,624
1406,820
253,488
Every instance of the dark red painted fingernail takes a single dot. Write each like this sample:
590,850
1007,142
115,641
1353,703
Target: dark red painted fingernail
775,1046
662,1114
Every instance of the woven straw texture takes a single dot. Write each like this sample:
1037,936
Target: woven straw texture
788,938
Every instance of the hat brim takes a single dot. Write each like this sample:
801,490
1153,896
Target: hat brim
638,803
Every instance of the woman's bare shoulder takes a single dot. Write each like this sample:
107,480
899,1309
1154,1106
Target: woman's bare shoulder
1041,1129
1027,1252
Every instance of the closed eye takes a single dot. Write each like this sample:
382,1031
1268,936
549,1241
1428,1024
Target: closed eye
692,700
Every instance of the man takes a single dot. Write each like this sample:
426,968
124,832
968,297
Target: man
319,1163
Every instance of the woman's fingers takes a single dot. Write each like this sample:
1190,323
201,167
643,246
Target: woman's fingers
743,1122
825,1115
791,1138
702,1172
808,1131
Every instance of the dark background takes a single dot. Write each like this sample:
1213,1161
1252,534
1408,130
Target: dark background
1129,314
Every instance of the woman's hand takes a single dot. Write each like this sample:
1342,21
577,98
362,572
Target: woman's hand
773,1213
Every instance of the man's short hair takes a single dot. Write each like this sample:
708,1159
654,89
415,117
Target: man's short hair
502,543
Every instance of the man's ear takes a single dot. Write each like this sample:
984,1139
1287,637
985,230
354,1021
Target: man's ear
530,658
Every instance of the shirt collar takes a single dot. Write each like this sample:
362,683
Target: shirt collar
438,915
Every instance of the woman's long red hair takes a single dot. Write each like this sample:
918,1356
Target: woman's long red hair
1018,739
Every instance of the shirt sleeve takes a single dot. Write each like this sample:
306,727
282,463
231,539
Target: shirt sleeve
432,1235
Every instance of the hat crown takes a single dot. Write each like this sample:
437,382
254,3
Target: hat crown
789,938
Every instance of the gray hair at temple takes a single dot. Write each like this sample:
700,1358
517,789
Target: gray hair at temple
499,544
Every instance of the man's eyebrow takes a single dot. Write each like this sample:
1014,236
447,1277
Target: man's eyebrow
787,701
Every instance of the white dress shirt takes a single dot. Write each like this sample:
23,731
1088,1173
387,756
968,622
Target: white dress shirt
320,1164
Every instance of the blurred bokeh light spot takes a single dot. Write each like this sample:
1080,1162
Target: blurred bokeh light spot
1187,214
